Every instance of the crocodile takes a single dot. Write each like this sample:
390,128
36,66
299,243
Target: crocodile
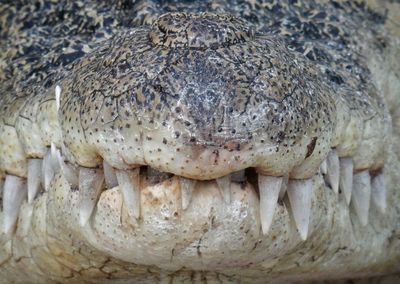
242,141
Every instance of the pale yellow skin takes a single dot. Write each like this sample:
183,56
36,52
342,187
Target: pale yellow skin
211,242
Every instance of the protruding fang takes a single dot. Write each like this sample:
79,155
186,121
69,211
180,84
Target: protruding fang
90,186
269,188
110,176
378,192
224,185
361,195
58,96
13,196
300,194
333,168
55,158
238,176
324,167
346,177
187,187
34,178
129,184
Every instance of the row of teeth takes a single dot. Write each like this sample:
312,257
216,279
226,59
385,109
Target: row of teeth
356,187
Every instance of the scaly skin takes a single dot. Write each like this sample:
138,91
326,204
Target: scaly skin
313,82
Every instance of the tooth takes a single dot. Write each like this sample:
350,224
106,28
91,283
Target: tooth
110,176
70,173
224,185
187,187
55,158
129,184
238,176
34,178
269,191
47,170
13,196
361,195
378,192
90,186
324,167
346,177
58,96
300,194
333,170
284,186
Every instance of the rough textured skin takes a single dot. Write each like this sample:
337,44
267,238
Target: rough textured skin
270,86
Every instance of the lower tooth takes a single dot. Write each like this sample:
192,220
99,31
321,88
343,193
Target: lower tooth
129,184
224,185
13,196
324,167
346,177
300,194
47,170
90,186
333,170
361,195
378,192
34,178
269,188
187,187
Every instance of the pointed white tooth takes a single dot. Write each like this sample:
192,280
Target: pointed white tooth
13,196
238,176
47,170
34,178
187,187
333,168
346,177
90,186
224,185
58,96
129,184
269,191
55,158
70,173
362,195
378,192
324,167
110,176
284,187
300,194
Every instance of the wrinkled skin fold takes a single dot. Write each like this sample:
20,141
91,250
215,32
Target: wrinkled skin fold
143,148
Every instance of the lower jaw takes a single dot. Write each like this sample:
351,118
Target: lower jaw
209,236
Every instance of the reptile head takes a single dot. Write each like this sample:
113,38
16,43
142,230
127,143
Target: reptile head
200,144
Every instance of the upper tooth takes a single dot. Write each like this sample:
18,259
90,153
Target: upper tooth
300,194
378,192
269,187
70,173
333,170
324,167
284,186
109,174
13,196
129,184
90,186
224,185
361,195
58,96
187,187
34,177
346,177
